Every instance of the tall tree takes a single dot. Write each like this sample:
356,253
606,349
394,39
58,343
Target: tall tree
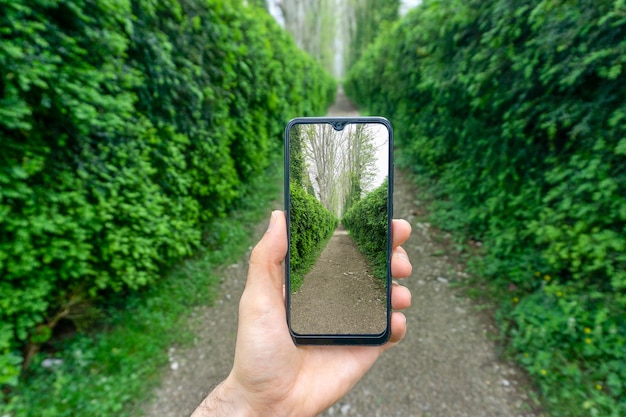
336,32
323,152
360,165
340,165
313,24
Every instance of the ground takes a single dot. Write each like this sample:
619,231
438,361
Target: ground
447,365
339,295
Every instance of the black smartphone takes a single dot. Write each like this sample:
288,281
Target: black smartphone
338,199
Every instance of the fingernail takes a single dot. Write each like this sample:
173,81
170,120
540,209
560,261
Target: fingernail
401,255
272,222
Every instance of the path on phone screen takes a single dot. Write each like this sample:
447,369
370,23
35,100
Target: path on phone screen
446,366
340,294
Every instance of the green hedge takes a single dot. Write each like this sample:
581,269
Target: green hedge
125,128
370,18
516,112
311,226
367,222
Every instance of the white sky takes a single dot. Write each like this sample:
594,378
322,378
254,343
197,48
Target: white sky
381,142
275,11
405,5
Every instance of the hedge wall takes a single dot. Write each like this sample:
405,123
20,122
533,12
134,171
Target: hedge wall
516,111
311,226
367,222
370,17
126,126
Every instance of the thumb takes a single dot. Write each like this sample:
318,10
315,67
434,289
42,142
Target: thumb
268,255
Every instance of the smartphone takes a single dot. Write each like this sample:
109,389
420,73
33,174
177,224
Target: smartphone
338,200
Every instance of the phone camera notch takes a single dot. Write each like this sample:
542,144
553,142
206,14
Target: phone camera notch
338,125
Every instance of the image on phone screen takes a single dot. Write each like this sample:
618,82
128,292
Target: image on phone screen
338,201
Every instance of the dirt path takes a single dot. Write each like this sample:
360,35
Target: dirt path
446,367
339,295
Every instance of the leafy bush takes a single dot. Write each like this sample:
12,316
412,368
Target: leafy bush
516,113
370,17
367,223
113,373
126,127
311,226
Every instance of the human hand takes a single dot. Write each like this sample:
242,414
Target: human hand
273,377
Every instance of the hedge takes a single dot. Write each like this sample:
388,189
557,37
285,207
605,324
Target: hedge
516,113
311,226
368,224
370,18
126,127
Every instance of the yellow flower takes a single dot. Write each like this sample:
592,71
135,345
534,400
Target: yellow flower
559,294
598,387
587,341
543,372
587,330
537,273
547,278
515,300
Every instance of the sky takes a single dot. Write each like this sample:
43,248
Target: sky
275,11
405,5
381,142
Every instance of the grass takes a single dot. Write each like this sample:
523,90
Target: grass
111,371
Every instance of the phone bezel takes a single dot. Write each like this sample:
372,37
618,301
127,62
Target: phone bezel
339,339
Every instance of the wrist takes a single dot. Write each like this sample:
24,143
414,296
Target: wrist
224,401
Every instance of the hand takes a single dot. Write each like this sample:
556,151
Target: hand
273,377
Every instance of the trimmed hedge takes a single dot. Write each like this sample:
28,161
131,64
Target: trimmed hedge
126,127
370,18
311,226
516,112
368,225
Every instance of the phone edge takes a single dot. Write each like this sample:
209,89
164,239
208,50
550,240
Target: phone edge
339,339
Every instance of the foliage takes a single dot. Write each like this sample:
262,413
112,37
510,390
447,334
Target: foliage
370,18
259,3
310,227
127,126
574,349
297,163
112,373
517,112
313,25
367,222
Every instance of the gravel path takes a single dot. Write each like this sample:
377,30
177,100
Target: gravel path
446,366
340,295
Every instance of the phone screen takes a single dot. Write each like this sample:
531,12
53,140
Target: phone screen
339,183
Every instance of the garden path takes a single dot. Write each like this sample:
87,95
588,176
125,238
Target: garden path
447,366
339,294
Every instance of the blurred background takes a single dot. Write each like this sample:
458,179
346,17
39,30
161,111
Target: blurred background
141,141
